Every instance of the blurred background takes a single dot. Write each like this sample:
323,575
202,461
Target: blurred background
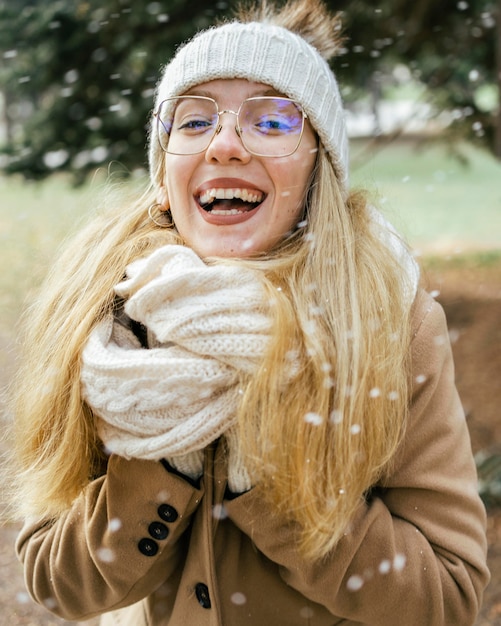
421,84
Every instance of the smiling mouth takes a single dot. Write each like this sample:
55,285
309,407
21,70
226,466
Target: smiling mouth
220,201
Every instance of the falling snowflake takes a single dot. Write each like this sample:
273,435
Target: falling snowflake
219,512
114,524
313,418
22,597
399,562
50,603
336,417
106,555
238,598
355,583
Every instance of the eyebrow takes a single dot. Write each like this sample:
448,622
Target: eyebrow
207,94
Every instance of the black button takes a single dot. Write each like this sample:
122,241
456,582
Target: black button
158,530
148,547
168,513
202,593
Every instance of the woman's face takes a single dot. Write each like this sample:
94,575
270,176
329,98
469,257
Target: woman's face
276,185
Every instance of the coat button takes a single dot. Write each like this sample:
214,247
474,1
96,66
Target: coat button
168,513
147,546
202,593
158,530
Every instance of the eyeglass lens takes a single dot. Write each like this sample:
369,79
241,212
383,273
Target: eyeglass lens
268,126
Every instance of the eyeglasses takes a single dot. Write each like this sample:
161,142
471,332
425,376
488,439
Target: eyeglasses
268,126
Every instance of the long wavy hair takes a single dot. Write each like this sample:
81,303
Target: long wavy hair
315,443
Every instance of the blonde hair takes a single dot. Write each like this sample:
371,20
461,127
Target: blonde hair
321,441
55,442
316,443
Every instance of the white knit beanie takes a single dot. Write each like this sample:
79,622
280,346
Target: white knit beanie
262,53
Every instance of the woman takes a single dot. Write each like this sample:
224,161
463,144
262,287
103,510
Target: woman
241,406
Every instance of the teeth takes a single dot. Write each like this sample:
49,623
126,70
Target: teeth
230,194
226,212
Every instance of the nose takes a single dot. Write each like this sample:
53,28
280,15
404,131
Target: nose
226,145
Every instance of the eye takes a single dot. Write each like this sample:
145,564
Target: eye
273,123
271,116
194,116
194,124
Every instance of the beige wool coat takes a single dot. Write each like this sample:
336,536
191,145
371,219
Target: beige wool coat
144,546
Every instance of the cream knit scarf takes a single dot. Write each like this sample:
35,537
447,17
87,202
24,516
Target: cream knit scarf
206,326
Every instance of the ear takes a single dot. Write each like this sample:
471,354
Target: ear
163,198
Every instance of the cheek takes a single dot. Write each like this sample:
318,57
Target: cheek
295,180
170,183
176,176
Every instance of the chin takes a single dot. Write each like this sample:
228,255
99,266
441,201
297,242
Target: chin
227,249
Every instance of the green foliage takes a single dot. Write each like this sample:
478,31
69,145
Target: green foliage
78,77
470,260
449,46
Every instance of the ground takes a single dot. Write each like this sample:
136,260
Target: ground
471,297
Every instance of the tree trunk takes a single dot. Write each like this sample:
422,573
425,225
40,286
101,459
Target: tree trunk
497,139
5,122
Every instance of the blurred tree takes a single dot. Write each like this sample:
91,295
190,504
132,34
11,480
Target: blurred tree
449,47
78,78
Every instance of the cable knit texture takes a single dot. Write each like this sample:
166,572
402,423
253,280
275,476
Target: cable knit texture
206,325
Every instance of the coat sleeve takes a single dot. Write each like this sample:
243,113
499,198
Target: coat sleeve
416,551
120,540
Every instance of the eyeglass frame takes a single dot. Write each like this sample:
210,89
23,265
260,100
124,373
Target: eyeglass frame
238,128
